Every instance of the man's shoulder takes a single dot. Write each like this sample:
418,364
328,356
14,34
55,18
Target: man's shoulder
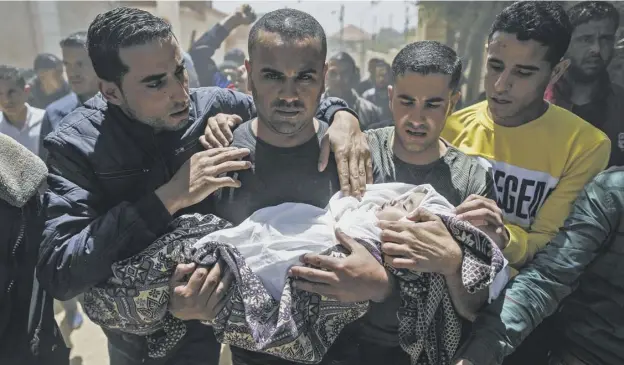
378,135
462,121
36,113
206,96
81,124
569,127
243,136
63,105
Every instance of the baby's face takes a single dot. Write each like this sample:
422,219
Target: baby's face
397,209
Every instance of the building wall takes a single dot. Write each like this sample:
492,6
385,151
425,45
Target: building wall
33,27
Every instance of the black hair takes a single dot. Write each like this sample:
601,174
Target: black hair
47,61
235,55
427,57
586,11
119,28
347,59
76,40
291,25
384,64
543,21
10,73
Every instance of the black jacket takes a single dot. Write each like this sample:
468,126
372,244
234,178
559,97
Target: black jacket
104,169
28,331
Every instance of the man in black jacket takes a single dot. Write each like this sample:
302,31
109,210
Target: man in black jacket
125,161
28,332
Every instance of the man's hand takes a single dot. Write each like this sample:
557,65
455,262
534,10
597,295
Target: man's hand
463,362
203,296
423,245
485,214
353,158
356,278
199,177
244,15
218,132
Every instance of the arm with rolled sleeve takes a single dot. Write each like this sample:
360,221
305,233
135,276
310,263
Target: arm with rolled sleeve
82,240
524,244
540,287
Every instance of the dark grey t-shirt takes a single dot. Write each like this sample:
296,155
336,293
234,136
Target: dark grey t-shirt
455,176
278,175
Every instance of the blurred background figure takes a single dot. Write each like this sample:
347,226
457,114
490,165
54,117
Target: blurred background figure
378,95
50,85
340,80
369,83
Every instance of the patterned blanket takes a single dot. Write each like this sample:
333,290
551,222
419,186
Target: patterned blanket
301,326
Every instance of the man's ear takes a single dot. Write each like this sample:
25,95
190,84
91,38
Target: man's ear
111,92
455,97
559,70
27,90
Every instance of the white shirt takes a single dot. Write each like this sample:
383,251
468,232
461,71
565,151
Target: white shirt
274,238
28,136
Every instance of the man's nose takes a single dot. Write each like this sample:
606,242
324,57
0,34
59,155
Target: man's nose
502,84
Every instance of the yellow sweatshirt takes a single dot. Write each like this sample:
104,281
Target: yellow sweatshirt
539,168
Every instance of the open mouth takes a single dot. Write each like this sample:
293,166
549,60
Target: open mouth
500,101
416,133
287,113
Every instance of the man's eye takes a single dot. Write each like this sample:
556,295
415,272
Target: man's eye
305,77
524,73
432,105
272,76
407,103
155,84
496,67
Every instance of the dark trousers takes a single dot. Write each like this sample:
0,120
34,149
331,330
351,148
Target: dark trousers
347,350
198,347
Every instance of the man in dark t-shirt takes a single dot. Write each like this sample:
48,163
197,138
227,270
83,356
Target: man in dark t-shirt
277,175
287,50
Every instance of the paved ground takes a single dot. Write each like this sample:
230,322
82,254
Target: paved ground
89,343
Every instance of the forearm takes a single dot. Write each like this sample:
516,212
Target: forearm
77,252
466,305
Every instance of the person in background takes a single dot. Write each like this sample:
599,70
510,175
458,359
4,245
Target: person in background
188,64
243,80
82,80
586,88
339,82
378,95
50,85
18,119
204,48
369,83
236,56
28,332
232,74
578,279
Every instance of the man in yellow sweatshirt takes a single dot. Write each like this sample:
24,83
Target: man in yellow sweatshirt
540,155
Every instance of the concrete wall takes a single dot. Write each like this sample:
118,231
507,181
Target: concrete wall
32,27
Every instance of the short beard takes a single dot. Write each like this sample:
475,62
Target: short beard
577,75
156,123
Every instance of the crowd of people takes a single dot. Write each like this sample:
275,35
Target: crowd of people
279,204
